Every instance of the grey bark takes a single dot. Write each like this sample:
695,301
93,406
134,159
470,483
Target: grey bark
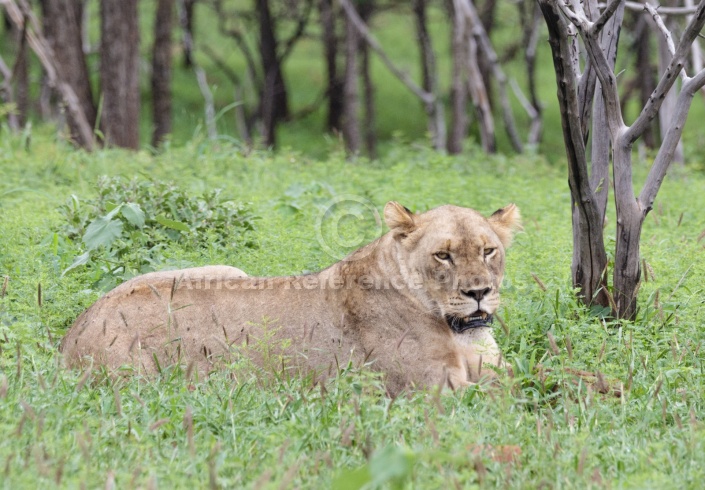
119,72
631,211
479,96
668,107
589,256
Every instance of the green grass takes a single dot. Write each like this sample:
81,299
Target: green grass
245,429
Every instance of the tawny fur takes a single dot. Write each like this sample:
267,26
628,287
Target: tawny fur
386,304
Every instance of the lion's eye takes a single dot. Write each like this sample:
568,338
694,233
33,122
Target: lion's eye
489,252
442,256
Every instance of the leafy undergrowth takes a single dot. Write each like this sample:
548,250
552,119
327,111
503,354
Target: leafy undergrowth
543,428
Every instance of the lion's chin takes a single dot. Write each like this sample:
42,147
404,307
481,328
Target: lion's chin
477,320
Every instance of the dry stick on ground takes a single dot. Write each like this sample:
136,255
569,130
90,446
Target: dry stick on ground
630,212
41,48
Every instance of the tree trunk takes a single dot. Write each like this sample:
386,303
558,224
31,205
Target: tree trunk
627,264
480,97
589,265
119,72
458,90
62,24
21,75
186,9
335,83
486,11
436,116
161,72
368,87
351,122
645,79
7,95
274,99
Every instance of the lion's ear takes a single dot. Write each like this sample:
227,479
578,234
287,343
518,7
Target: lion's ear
505,222
399,219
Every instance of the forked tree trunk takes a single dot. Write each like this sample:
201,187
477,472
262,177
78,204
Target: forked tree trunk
599,35
119,72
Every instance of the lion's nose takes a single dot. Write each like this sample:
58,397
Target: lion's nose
476,294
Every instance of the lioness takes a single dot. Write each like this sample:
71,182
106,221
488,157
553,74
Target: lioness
416,304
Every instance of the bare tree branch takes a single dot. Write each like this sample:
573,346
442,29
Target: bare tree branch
239,39
666,34
298,32
606,16
361,28
41,48
639,7
607,78
208,99
533,113
669,77
483,41
670,142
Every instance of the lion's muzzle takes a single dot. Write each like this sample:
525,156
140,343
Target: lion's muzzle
476,320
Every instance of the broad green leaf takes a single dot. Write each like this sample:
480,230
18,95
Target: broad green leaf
133,213
170,223
77,262
352,479
392,465
102,232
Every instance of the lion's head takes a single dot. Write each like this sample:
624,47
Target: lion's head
453,259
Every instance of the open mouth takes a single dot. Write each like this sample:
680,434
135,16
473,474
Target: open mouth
460,324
